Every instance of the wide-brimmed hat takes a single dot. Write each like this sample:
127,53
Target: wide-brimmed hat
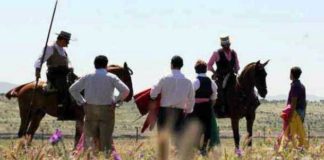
65,35
225,40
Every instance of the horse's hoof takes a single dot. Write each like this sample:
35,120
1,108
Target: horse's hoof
238,152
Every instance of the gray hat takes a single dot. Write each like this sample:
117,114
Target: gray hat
225,40
65,35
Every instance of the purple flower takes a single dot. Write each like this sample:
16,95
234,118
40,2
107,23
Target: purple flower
116,156
56,137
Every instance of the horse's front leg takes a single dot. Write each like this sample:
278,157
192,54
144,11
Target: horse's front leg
249,125
236,134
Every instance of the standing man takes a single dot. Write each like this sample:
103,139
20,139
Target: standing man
58,66
99,103
205,98
227,64
177,98
297,93
294,114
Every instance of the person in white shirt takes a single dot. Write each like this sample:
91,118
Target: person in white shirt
58,67
205,98
177,98
99,102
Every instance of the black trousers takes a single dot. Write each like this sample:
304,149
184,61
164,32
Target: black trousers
171,118
58,78
203,114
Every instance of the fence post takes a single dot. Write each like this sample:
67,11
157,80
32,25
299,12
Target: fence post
136,134
309,132
42,136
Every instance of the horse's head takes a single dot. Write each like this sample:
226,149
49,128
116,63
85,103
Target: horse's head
260,78
254,75
124,74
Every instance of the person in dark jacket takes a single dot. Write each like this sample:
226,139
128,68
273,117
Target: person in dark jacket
205,97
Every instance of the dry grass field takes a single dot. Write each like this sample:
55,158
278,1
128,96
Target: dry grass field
143,146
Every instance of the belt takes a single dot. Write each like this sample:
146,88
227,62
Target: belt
201,100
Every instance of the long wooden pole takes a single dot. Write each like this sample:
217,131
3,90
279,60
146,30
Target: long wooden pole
42,59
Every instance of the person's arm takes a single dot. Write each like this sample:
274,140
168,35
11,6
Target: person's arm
122,89
49,52
156,89
214,58
191,99
293,101
196,84
293,105
237,63
37,65
213,97
75,90
69,61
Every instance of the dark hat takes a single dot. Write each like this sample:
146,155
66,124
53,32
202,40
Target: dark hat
65,35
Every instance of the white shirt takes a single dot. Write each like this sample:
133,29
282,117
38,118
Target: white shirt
196,84
99,88
176,91
49,53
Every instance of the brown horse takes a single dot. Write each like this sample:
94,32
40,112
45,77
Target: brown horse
241,99
31,115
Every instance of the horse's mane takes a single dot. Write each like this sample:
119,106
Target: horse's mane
114,67
246,69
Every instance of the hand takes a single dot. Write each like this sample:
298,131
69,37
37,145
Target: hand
213,77
119,103
37,73
152,104
187,111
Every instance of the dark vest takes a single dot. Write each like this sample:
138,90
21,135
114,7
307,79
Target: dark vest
225,66
205,90
56,60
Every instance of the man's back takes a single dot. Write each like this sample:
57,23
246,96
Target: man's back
298,90
176,90
99,87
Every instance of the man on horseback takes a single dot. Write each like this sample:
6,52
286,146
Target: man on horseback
58,66
227,66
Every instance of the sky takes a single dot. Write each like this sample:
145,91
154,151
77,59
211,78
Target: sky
147,33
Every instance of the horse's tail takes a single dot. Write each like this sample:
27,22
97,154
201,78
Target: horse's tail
13,93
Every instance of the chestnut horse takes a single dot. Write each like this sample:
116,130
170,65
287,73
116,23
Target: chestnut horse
241,99
31,115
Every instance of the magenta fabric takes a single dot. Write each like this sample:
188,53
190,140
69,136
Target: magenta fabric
286,112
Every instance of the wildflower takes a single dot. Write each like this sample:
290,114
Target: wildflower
56,137
116,156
